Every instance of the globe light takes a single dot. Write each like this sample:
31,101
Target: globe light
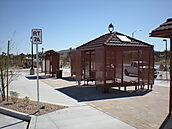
110,28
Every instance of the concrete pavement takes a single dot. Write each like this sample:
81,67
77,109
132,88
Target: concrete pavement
80,117
7,122
76,116
25,85
164,83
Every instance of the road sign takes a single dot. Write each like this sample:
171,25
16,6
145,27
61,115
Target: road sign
37,36
37,39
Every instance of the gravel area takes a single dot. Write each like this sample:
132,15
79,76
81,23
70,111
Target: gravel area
30,107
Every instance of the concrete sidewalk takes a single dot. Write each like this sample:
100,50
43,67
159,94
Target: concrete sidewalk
26,85
76,116
164,83
82,117
7,122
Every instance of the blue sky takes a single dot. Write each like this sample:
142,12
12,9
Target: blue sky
70,23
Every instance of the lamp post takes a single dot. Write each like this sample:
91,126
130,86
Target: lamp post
110,28
32,69
42,50
165,41
135,32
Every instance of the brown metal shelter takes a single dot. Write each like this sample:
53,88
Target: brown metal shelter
50,62
114,60
165,31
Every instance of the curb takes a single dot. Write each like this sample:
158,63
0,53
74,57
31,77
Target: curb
18,115
32,124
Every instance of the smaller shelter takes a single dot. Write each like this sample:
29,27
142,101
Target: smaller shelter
114,60
165,31
50,62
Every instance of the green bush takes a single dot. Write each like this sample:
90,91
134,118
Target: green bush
14,96
26,100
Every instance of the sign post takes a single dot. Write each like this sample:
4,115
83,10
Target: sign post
37,39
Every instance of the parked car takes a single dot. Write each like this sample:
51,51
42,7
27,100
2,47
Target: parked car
133,68
155,72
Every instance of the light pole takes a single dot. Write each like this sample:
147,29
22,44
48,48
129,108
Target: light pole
42,50
165,41
32,69
135,32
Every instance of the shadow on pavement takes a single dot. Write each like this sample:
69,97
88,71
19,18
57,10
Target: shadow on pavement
35,77
167,124
89,93
70,79
12,124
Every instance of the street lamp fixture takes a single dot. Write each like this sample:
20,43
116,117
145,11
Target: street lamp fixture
135,32
110,28
42,50
3,54
165,41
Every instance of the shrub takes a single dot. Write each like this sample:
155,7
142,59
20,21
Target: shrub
14,96
26,100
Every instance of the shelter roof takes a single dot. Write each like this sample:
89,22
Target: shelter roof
50,52
115,39
164,30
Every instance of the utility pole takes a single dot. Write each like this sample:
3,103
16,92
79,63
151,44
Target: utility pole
8,49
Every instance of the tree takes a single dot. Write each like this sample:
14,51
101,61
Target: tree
65,57
2,75
7,72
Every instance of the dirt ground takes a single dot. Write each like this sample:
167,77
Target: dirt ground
30,107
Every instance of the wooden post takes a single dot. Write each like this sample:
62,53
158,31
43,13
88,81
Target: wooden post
50,65
8,49
115,65
45,65
104,67
89,67
170,99
139,69
83,64
152,54
149,71
122,76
